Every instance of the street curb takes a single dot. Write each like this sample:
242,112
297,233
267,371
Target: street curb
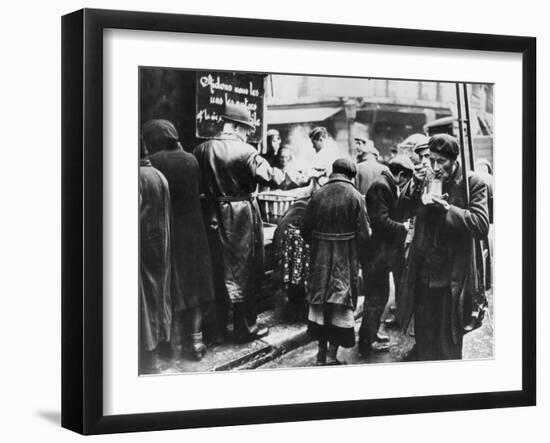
243,360
269,352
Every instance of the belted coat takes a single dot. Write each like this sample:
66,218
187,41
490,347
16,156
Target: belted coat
231,170
337,227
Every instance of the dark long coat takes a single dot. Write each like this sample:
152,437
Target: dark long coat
191,264
460,225
336,225
154,253
388,231
231,170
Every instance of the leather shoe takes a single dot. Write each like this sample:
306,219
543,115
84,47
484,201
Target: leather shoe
255,334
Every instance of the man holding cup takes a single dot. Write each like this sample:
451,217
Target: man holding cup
437,285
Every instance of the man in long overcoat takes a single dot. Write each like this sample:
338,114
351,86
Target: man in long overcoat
231,170
437,285
389,231
154,264
192,287
336,226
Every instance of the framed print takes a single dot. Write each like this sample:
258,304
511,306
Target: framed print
271,221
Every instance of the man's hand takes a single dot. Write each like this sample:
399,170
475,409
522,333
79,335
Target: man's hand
441,203
407,225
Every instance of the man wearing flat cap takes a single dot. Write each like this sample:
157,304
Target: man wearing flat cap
410,144
368,168
363,146
437,284
231,170
389,231
336,226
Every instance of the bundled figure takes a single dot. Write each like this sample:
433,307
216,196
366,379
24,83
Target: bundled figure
154,263
336,226
438,283
231,170
389,231
293,261
191,284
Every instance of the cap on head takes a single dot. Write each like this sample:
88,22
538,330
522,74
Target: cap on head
445,145
402,161
344,166
238,114
420,147
415,142
272,132
157,131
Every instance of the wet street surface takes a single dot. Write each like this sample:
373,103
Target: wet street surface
289,346
478,344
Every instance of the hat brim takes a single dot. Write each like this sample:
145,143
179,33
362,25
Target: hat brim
419,148
241,122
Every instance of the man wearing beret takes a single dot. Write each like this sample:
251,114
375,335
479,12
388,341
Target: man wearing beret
231,170
388,238
437,286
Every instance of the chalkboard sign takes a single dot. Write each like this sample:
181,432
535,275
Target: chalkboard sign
215,89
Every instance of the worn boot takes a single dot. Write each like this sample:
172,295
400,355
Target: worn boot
245,330
322,353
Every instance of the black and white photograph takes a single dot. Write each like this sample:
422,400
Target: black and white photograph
270,222
299,221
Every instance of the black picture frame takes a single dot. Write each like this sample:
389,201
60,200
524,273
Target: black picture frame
82,218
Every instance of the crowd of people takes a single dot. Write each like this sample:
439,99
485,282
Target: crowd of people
412,220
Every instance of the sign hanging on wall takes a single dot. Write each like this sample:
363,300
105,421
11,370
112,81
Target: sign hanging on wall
215,89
